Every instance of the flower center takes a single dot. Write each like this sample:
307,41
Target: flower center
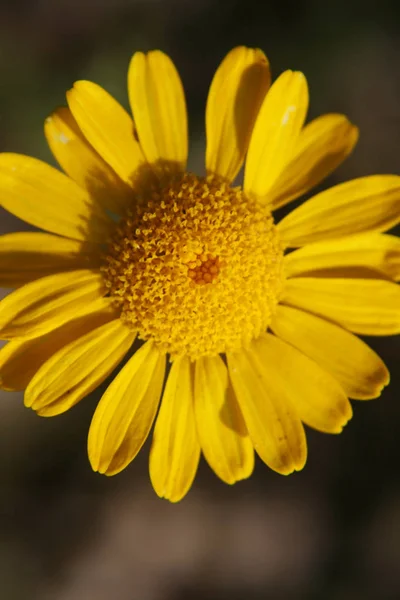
196,267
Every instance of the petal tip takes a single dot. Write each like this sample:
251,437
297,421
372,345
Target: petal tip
346,414
29,399
377,389
288,464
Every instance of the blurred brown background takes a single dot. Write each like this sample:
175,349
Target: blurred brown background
331,532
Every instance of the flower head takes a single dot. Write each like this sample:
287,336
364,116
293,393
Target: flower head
256,317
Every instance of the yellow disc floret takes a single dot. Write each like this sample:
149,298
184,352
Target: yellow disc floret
196,267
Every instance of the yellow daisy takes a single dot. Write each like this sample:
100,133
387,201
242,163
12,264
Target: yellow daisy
259,338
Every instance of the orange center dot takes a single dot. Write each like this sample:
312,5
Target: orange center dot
205,269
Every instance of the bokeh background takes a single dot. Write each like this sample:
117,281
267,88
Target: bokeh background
331,532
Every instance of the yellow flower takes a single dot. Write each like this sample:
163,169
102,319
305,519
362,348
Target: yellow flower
260,340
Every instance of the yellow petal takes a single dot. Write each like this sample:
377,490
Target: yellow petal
356,253
275,133
361,205
125,414
107,127
42,196
271,419
78,368
320,401
359,370
236,94
321,147
82,163
25,257
21,359
49,302
223,435
158,104
175,450
366,306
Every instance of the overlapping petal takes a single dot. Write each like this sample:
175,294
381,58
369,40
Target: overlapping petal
359,370
365,306
321,147
44,197
222,432
125,413
82,163
107,127
78,368
158,104
268,409
49,302
372,253
27,256
298,381
21,359
366,204
275,133
236,94
175,450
